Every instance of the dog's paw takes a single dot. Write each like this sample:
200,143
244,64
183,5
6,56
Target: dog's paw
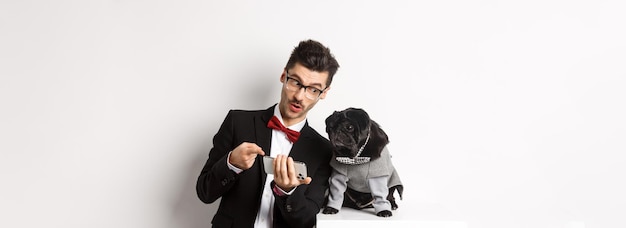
394,205
329,211
384,213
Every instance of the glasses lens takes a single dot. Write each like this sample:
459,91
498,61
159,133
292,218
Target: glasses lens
291,85
312,93
309,92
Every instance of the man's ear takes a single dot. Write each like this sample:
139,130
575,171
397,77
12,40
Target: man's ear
282,77
323,95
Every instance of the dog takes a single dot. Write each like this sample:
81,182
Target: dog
363,175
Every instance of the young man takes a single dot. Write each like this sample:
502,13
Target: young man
234,170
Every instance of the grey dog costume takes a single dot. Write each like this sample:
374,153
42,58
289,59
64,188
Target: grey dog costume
373,177
363,174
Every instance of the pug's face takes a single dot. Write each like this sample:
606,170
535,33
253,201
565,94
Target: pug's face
347,131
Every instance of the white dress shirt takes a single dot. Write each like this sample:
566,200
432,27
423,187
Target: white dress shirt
280,145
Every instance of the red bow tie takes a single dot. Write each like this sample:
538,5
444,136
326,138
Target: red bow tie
276,124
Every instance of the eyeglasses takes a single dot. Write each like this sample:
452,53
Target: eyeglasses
294,85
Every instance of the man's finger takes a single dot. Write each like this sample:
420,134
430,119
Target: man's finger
253,149
260,151
281,169
291,171
306,180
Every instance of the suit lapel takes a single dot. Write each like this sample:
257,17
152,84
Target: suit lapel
263,133
263,137
301,149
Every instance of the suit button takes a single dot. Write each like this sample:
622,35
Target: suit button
224,182
288,208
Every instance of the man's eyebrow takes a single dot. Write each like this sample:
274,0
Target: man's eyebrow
300,80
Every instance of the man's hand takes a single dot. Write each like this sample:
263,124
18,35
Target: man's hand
243,156
285,174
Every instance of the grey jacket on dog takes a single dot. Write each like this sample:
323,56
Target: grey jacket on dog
373,177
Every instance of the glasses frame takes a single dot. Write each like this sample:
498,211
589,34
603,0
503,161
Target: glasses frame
306,88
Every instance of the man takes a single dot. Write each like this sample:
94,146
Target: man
234,170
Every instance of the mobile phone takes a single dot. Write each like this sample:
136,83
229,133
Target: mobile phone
268,165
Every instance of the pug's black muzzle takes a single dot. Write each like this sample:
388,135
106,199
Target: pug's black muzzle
344,144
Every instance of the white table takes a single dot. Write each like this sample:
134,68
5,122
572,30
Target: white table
424,216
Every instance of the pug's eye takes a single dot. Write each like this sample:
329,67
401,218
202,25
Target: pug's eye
350,128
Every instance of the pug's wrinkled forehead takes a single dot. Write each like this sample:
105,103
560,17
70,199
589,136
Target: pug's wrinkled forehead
357,117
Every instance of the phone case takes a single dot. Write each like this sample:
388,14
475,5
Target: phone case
300,167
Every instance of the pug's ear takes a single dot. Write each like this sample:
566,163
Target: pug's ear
331,117
331,120
360,116
378,132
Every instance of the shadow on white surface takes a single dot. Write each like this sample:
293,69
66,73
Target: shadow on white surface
431,216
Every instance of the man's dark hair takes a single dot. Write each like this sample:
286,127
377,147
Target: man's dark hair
314,56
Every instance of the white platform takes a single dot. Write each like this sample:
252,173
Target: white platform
405,216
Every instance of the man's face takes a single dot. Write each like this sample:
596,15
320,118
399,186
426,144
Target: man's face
294,105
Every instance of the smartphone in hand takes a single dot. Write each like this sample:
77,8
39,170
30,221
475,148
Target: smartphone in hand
268,165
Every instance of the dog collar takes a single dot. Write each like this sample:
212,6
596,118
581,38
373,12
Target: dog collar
353,161
357,160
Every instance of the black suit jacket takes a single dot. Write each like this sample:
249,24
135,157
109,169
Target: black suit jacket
241,193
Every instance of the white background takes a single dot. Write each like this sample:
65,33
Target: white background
500,113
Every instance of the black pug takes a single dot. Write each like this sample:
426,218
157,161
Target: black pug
363,174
